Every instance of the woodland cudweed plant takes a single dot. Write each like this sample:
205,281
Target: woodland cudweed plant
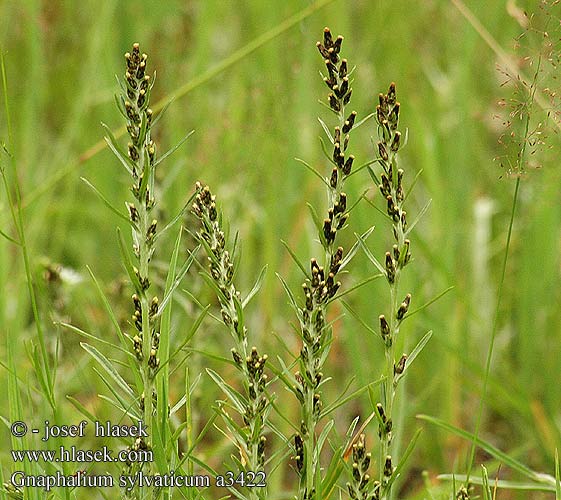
321,286
253,405
142,153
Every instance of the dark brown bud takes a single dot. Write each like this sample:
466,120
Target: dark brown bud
154,306
388,468
343,68
390,268
344,87
328,231
349,122
380,116
384,327
327,38
396,141
404,307
337,44
348,165
333,180
322,50
382,151
399,367
337,135
391,94
334,102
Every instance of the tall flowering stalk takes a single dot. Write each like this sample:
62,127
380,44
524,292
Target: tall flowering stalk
142,152
390,184
321,283
391,187
253,405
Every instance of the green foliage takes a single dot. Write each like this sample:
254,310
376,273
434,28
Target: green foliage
243,75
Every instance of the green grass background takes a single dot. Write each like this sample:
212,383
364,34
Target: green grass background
251,120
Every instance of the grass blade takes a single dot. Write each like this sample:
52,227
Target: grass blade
492,450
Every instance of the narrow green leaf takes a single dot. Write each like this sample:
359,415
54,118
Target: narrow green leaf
370,255
495,452
328,154
427,304
178,216
320,443
373,176
173,149
362,166
40,370
182,272
93,337
82,409
121,407
326,129
9,238
405,457
357,201
326,106
364,120
352,252
332,475
108,368
317,222
356,286
127,262
359,318
296,259
126,407
414,353
233,395
485,483
116,149
417,175
124,342
418,218
313,170
108,204
119,100
256,287
502,484
289,293
162,378
165,107
194,327
341,401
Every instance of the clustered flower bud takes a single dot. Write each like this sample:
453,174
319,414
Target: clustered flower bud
390,185
141,150
252,364
360,487
322,284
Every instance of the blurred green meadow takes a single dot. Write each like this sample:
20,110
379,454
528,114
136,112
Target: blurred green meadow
244,75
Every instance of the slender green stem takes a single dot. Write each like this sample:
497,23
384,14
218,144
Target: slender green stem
16,211
521,159
493,332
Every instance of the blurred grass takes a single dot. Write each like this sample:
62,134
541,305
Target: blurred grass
251,120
